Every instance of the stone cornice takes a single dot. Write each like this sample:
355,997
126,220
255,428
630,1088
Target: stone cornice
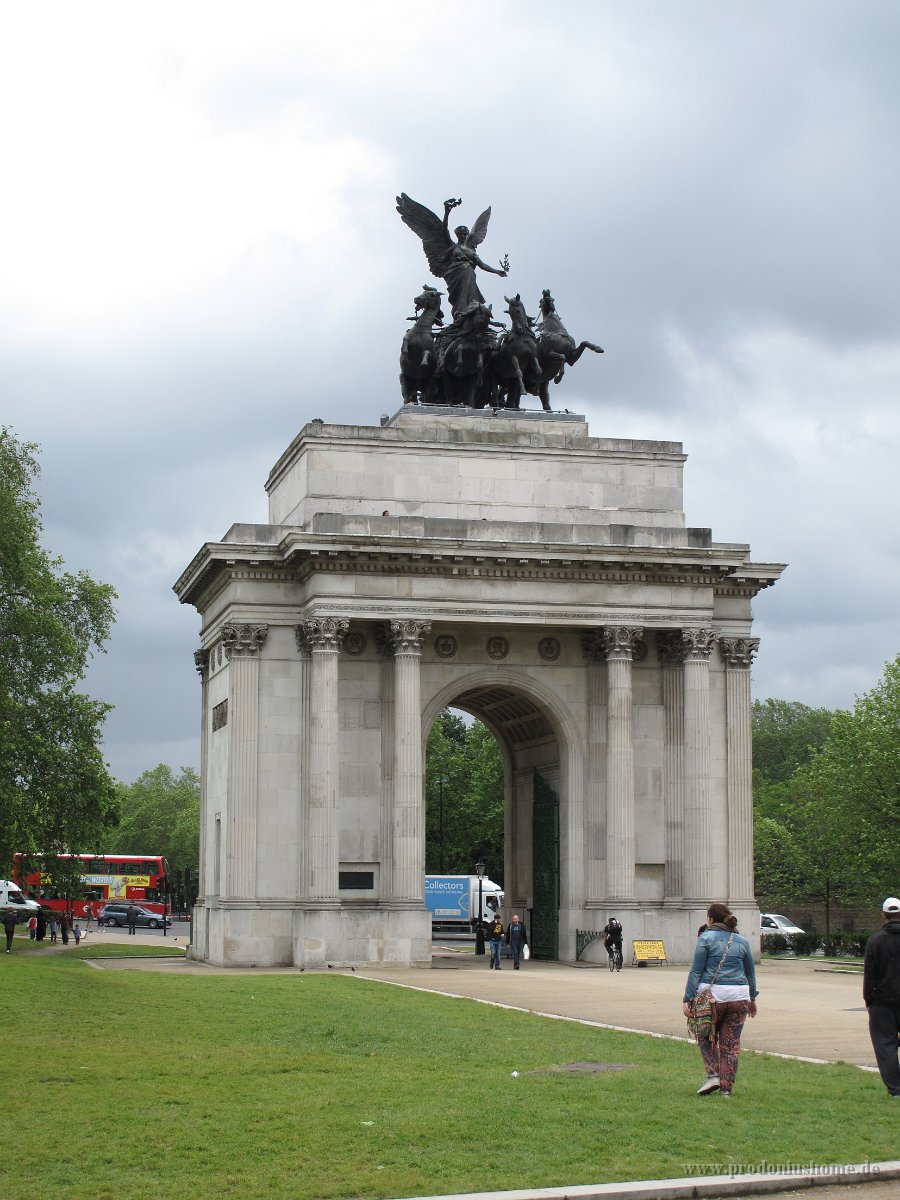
722,567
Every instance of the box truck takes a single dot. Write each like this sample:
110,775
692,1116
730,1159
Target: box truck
452,900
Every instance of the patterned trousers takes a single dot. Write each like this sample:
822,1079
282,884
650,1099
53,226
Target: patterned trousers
720,1052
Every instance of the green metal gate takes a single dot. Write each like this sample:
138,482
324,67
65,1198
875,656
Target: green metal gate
545,869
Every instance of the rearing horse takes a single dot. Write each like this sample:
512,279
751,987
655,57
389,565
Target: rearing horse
556,347
418,360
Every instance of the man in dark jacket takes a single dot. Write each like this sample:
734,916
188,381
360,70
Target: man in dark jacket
515,938
881,992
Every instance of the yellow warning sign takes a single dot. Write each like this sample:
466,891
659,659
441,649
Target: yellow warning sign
647,951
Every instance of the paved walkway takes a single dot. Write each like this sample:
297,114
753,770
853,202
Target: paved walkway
805,1009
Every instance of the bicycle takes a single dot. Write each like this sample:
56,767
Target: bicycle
614,955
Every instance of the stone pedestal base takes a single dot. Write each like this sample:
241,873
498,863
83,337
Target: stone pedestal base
676,927
257,934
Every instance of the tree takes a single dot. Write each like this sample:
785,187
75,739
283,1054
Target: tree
160,814
55,791
785,736
464,799
852,785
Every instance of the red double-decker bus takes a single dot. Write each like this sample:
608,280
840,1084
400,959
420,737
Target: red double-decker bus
101,878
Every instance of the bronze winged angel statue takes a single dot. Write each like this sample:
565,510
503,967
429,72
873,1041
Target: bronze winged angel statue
454,262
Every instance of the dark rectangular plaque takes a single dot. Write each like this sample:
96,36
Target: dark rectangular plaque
356,881
220,715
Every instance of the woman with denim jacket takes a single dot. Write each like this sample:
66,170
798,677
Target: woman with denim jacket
722,953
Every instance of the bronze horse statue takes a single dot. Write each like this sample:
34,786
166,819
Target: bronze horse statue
556,347
418,357
462,353
513,364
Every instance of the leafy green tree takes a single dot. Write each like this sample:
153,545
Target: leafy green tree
785,736
464,799
56,794
160,814
852,786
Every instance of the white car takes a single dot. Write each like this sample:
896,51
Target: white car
776,923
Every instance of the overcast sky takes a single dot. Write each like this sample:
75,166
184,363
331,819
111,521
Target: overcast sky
199,253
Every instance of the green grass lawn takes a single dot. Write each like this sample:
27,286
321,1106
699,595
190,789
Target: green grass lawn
320,1086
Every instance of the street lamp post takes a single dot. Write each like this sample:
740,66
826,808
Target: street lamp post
441,783
479,927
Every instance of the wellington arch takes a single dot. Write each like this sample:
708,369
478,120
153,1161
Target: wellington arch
511,565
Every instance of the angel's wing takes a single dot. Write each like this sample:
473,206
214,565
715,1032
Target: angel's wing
479,229
427,226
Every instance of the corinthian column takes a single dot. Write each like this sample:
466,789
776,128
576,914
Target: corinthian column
595,787
699,874
407,824
201,662
670,648
619,643
242,644
323,639
738,654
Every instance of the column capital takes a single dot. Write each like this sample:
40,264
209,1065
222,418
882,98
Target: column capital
620,641
407,637
592,647
201,662
671,649
738,653
322,633
243,641
698,643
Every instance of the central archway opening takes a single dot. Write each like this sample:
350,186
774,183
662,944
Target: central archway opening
492,777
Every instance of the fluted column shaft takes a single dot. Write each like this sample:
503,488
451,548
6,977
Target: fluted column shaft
619,644
671,653
303,857
595,788
242,645
699,874
201,662
408,823
323,639
738,654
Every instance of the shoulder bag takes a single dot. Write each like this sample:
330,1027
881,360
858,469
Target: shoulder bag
702,1017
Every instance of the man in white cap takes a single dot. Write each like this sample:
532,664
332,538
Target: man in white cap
881,992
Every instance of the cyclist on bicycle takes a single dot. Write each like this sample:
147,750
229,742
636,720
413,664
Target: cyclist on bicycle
612,938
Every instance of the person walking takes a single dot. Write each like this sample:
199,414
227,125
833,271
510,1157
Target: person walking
32,928
88,917
881,993
496,936
723,962
54,928
516,939
9,925
132,918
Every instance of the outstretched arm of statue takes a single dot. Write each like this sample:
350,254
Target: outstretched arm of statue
487,267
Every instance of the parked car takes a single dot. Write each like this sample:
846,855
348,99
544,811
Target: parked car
776,923
117,914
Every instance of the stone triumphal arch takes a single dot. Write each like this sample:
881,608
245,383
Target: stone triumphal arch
513,566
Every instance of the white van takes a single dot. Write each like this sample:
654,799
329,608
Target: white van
11,897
